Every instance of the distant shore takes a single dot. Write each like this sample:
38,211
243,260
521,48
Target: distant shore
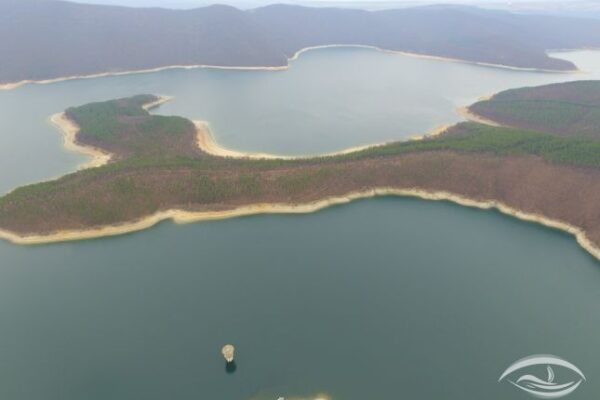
14,85
432,57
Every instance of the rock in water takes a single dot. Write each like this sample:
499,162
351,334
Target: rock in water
227,351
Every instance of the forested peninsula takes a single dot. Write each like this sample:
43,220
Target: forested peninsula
48,40
157,170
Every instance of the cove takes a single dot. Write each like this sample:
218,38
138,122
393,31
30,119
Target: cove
329,100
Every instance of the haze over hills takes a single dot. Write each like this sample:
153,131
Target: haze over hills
46,39
572,5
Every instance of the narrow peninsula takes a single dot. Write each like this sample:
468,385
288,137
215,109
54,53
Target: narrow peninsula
540,161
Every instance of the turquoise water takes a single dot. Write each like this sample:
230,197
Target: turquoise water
383,298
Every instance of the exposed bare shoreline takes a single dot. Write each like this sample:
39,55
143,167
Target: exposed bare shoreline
183,216
14,85
70,129
207,144
439,58
466,113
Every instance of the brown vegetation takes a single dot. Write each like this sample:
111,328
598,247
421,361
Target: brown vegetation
44,40
158,167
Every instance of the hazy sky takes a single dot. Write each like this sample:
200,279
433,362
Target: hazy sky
252,3
248,3
567,6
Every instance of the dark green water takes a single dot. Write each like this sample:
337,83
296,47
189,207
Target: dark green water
387,298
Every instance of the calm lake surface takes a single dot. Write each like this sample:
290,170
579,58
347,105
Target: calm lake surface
388,298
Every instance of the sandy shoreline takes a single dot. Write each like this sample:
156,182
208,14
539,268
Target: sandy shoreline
182,216
70,129
14,85
159,101
466,113
206,142
436,131
432,57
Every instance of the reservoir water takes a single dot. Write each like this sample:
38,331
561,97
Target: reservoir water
330,99
383,298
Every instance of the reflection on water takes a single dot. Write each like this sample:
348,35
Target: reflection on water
230,367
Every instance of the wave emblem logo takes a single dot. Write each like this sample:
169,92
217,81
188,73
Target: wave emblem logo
526,374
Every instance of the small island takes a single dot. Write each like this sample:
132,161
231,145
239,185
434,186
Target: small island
538,159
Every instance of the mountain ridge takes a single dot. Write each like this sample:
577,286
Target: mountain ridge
50,39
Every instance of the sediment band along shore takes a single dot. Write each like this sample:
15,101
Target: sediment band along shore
15,85
208,145
183,216
70,129
467,114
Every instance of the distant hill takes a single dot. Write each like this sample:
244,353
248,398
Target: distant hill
45,39
564,109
